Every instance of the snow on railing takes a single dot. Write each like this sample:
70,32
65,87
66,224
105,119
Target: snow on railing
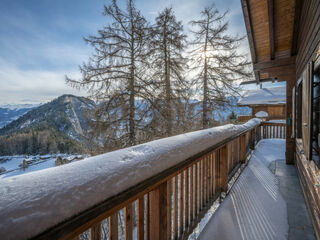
162,187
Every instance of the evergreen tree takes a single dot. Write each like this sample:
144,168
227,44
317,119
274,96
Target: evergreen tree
233,116
216,61
115,74
167,46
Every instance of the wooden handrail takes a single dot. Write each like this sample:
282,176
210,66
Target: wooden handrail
197,181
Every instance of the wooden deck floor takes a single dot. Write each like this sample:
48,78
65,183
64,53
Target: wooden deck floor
266,202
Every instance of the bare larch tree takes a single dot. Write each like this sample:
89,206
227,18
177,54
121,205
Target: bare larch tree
167,45
114,74
216,60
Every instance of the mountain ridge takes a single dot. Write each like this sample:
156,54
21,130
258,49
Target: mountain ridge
60,125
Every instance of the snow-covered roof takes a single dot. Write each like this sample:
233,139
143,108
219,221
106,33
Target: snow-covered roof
264,96
261,114
33,202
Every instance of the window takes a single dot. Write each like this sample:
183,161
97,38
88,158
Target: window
315,113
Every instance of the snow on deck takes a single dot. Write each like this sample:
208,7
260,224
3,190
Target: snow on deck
255,208
277,121
264,96
33,202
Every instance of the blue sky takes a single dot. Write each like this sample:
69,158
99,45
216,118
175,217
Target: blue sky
41,41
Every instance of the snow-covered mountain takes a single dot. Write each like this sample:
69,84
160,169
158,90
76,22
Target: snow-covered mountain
64,125
59,124
9,113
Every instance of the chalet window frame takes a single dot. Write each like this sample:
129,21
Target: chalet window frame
313,136
298,110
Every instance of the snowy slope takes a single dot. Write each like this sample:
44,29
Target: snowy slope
34,201
13,164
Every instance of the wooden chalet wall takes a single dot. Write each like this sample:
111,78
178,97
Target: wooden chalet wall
308,39
306,45
274,112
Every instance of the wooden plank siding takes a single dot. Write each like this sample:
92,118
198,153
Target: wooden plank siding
308,173
274,112
284,17
308,43
309,34
260,28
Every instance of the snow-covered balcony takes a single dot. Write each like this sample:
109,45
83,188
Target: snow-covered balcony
164,189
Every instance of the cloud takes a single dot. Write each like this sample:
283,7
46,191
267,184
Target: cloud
34,86
41,43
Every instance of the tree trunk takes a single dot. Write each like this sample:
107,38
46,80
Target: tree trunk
132,134
167,84
205,85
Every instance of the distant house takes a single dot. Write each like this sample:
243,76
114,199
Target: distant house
267,103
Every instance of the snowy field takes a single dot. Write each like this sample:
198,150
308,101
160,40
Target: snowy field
13,165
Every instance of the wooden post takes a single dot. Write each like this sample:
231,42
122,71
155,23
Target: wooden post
196,189
192,193
186,202
175,208
113,227
158,213
95,232
181,204
169,205
140,218
243,149
128,223
253,139
290,143
223,152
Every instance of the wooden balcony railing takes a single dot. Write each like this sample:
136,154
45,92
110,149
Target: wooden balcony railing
272,130
168,205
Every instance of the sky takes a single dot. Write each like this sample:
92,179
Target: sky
41,41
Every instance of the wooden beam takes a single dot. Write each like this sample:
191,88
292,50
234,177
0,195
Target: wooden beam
247,20
257,76
274,63
248,82
280,73
261,80
297,14
271,27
